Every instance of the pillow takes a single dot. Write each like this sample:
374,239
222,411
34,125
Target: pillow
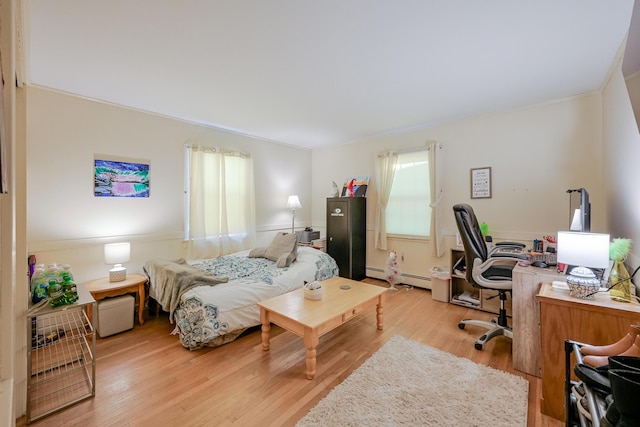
257,253
283,250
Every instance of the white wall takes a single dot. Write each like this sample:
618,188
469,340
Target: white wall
536,153
633,87
67,224
621,160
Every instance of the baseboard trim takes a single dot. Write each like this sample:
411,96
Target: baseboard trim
407,278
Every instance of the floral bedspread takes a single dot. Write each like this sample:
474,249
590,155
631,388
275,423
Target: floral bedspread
214,315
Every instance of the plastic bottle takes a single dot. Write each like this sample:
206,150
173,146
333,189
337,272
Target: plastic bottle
51,272
65,269
56,295
39,286
69,289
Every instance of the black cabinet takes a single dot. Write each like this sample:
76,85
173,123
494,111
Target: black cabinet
347,235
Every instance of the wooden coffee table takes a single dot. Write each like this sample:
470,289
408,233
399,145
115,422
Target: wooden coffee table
310,319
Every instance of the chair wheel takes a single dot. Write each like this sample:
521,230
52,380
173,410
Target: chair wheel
461,325
478,346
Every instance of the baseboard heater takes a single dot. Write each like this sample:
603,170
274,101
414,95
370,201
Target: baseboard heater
407,278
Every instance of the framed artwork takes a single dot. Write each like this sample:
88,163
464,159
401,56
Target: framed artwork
355,186
481,183
114,178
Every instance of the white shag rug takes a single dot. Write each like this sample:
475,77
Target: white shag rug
408,383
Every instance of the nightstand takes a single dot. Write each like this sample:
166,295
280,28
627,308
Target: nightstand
102,288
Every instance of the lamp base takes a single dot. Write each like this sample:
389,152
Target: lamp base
117,274
583,283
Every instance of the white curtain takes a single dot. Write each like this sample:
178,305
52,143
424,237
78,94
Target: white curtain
435,180
221,202
386,167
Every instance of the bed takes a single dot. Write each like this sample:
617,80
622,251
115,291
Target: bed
218,310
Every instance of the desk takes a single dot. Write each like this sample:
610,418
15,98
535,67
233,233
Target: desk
525,347
596,322
102,288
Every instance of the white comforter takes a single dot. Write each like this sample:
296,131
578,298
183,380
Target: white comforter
215,315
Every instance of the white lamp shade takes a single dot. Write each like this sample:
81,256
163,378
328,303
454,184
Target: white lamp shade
576,222
583,249
117,253
293,202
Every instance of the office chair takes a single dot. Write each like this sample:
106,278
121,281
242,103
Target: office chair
487,270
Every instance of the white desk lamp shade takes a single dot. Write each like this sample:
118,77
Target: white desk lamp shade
576,222
117,254
583,249
293,203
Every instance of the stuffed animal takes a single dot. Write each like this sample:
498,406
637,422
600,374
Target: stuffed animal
392,271
335,192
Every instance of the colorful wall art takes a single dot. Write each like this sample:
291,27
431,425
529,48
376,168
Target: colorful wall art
355,186
121,179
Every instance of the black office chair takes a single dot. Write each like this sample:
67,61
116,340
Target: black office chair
487,270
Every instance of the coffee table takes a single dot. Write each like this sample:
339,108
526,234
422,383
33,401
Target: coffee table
310,319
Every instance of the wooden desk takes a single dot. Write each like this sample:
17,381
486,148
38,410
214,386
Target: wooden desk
526,316
102,288
595,322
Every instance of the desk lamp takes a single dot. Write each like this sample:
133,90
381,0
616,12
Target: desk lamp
583,250
117,254
293,203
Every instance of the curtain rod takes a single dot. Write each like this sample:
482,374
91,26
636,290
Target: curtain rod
408,150
216,150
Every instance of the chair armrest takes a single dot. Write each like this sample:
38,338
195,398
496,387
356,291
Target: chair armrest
507,251
516,244
508,256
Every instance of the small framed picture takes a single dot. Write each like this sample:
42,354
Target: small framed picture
481,183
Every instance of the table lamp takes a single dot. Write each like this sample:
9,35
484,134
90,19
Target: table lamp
584,251
293,203
117,254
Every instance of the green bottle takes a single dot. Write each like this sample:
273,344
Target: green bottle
69,289
56,295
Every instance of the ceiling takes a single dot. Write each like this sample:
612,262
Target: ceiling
320,73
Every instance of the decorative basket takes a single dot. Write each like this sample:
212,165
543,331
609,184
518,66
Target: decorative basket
582,283
583,291
313,293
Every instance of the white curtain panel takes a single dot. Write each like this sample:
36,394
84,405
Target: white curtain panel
435,180
386,167
221,203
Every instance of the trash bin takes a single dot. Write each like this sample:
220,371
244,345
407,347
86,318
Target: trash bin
440,282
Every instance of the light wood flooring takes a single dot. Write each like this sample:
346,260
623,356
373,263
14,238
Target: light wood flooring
144,377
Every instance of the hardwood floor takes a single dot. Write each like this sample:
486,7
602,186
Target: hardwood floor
144,377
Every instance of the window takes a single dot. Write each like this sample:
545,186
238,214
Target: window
408,211
219,203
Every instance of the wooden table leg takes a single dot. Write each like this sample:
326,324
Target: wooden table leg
380,312
311,342
266,327
141,303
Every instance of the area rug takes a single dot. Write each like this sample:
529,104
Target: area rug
408,383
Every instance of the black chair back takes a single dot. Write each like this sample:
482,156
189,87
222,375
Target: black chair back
472,239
